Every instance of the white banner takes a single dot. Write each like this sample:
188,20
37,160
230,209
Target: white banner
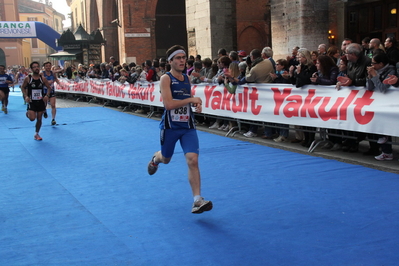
17,29
351,108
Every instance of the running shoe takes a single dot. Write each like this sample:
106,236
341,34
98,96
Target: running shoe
250,134
5,110
2,108
152,167
37,137
280,139
201,206
215,125
384,157
53,122
45,115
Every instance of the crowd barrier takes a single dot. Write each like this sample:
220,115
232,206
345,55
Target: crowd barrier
351,108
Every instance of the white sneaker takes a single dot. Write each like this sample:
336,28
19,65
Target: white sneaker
226,128
222,127
215,125
384,157
250,134
382,140
280,139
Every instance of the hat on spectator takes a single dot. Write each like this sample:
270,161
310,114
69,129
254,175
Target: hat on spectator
242,53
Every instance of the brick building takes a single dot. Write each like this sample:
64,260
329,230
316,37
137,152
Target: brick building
18,51
139,30
10,48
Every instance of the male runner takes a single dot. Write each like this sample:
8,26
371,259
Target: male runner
33,91
20,77
178,124
11,73
51,78
5,81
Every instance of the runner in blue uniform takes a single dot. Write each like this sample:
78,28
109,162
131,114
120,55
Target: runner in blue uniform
5,82
36,99
178,124
51,78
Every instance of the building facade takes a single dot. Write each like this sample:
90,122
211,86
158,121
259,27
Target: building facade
140,30
45,13
11,50
14,51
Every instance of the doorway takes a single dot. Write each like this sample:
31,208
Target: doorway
170,27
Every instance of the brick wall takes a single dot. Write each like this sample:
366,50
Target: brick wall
253,25
139,17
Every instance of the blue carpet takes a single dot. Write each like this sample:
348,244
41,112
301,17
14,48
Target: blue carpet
82,196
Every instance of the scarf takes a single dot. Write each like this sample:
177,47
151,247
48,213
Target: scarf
256,61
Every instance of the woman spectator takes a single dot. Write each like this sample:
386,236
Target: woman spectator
301,74
327,71
68,70
327,75
223,65
242,66
190,66
231,82
232,77
314,55
300,77
281,76
379,70
117,74
334,53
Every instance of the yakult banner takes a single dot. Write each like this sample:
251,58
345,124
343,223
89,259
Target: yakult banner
351,108
17,29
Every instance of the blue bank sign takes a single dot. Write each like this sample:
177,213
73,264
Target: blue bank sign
17,29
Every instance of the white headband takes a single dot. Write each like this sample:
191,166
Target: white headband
175,53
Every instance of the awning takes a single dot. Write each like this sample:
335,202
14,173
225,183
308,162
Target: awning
66,55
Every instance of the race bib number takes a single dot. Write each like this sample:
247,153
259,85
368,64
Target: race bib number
37,95
181,114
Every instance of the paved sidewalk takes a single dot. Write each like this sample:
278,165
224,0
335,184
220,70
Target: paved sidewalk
352,158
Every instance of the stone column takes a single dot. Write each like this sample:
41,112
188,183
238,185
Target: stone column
209,26
303,23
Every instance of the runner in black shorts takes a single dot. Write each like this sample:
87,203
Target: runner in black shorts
35,97
5,81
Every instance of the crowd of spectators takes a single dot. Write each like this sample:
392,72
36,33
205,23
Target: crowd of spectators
370,64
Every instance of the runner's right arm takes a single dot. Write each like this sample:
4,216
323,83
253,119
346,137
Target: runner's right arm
23,89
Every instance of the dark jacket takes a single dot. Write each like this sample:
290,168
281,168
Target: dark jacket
357,72
330,79
303,78
393,55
